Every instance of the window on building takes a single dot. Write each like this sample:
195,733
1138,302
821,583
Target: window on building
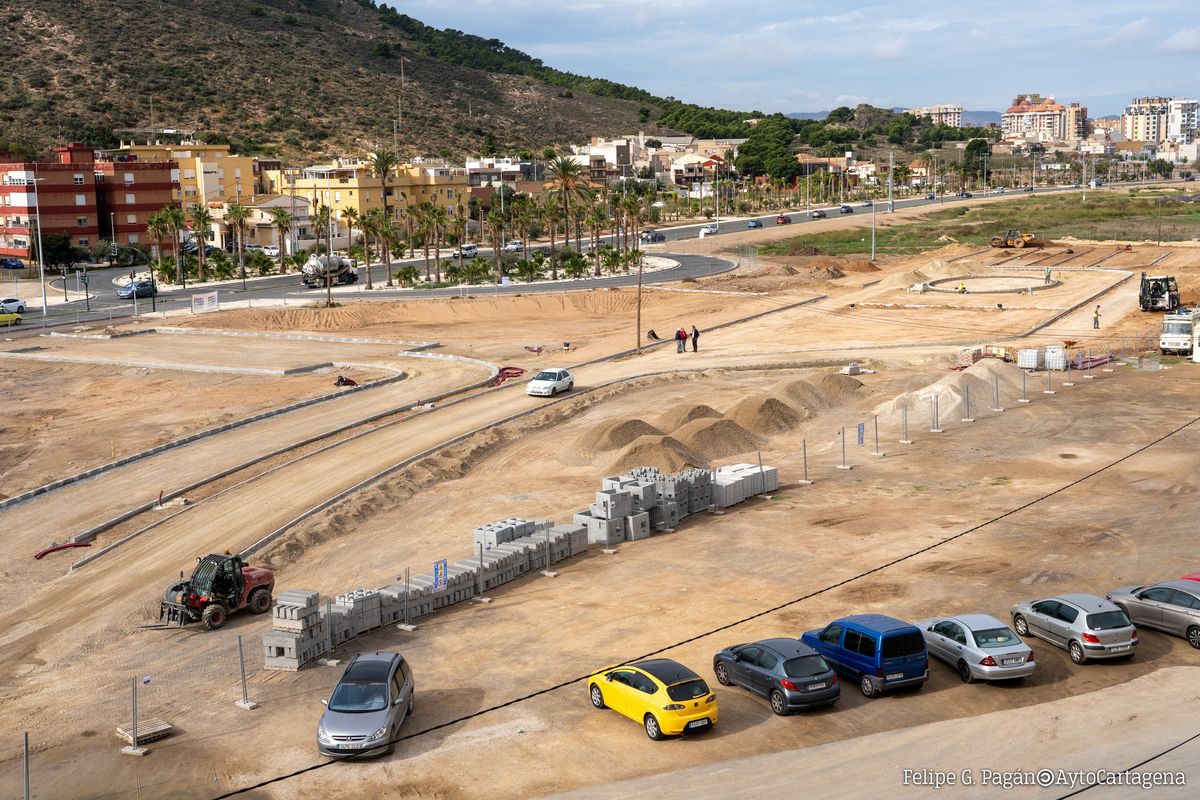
131,219
337,197
83,242
81,200
130,199
81,221
78,179
129,177
133,238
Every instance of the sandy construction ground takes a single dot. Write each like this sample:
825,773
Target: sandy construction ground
761,386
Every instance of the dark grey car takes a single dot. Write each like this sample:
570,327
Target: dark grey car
1086,626
789,673
1171,607
368,706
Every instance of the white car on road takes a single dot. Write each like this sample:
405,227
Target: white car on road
12,304
514,246
708,230
550,382
271,250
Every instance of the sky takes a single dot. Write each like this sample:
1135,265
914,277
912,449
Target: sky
796,55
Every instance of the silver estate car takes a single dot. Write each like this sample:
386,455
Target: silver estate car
978,646
1171,607
1086,626
364,714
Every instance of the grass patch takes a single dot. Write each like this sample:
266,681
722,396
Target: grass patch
1103,215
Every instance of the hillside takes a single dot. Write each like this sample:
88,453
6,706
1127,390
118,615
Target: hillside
294,77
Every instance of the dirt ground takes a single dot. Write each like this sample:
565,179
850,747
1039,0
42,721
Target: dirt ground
764,385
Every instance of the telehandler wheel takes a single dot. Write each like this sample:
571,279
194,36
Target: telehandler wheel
260,601
213,617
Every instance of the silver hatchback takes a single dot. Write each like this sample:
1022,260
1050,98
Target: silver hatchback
1171,607
369,704
1086,626
978,646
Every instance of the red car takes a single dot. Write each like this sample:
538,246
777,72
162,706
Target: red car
783,219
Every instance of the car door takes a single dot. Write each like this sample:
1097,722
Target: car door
763,672
852,646
744,663
1060,624
618,693
1151,605
1039,617
1180,613
642,694
953,639
406,691
399,703
829,644
938,640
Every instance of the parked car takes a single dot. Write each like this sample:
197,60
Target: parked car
708,230
369,704
845,209
514,246
867,204
9,318
7,262
1171,606
190,248
550,382
142,288
880,652
1086,626
998,190
965,195
1028,189
754,223
789,673
664,696
931,196
817,214
466,251
783,219
978,646
651,235
13,304
271,250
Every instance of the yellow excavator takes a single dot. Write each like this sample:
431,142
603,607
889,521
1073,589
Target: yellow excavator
1013,238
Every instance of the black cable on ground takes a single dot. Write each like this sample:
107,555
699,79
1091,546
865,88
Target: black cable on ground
773,609
1138,765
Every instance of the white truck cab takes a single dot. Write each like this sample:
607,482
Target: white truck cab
1178,331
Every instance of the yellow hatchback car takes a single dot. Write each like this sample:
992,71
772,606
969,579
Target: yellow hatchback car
667,698
9,318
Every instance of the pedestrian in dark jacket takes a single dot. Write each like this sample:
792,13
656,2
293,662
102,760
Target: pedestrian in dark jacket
695,338
680,341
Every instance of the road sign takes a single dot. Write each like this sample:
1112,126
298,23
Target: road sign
439,574
862,432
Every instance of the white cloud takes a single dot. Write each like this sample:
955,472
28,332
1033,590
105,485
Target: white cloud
1129,33
889,48
1184,41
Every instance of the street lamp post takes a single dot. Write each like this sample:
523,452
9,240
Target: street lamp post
37,205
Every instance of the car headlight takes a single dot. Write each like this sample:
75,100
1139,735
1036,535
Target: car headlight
322,736
377,734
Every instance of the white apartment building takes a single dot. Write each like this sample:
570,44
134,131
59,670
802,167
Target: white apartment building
1145,119
1183,120
942,114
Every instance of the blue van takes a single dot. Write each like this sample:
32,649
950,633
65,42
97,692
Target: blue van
880,652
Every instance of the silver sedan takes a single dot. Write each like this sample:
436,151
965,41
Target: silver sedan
978,646
1171,607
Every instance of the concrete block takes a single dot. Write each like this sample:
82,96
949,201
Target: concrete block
582,517
298,597
645,495
614,504
637,527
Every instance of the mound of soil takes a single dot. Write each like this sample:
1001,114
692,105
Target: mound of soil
716,438
826,273
765,415
664,452
682,415
615,435
903,280
860,265
822,392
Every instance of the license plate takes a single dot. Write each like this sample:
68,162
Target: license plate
893,676
812,687
1118,648
351,745
698,723
1008,662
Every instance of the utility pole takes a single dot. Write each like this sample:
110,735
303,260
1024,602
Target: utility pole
891,178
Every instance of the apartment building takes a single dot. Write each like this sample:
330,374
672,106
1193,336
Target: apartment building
943,114
260,226
1183,120
1145,119
1036,118
204,172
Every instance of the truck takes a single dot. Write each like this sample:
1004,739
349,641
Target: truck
335,269
1178,327
1158,293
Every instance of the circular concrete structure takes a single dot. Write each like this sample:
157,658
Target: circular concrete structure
991,284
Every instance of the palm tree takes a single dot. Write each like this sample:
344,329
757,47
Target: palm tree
566,178
173,216
440,221
282,220
549,216
201,219
495,222
236,215
383,161
367,224
351,217
159,227
597,219
391,240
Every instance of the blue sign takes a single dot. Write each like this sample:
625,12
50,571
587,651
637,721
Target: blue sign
862,431
439,574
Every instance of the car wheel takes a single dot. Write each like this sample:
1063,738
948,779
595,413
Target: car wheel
868,688
1076,651
570,386
1021,625
652,729
597,697
778,703
722,674
1193,636
17,321
553,391
964,672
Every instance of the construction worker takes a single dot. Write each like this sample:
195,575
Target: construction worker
1096,318
1047,275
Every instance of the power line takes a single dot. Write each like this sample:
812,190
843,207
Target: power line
1138,765
742,621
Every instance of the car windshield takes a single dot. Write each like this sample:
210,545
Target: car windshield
689,690
994,637
358,698
805,666
545,376
1107,620
903,644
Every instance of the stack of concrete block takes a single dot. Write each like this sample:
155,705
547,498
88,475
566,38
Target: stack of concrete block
299,635
461,578
495,533
419,601
644,493
496,567
605,532
612,504
364,605
576,538
637,526
735,483
535,550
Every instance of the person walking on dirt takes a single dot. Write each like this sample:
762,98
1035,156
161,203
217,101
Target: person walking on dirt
680,341
695,338
1096,318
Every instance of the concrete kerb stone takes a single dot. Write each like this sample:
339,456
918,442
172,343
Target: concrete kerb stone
313,337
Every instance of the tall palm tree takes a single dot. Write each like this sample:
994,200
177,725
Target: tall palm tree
159,227
391,238
282,220
176,221
597,219
549,216
236,215
495,222
567,179
383,161
322,220
440,221
367,224
201,220
351,216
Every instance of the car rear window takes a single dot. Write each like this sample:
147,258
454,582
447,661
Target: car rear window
898,645
804,667
689,690
1107,620
994,637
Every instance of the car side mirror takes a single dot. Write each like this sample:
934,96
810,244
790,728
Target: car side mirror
324,702
608,677
737,656
930,629
397,701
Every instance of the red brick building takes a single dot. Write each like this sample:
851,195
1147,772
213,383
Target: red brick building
79,196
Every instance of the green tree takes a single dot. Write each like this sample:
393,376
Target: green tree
59,252
282,220
176,222
383,161
201,222
237,215
567,179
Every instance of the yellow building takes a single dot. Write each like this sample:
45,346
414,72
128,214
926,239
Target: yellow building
206,171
